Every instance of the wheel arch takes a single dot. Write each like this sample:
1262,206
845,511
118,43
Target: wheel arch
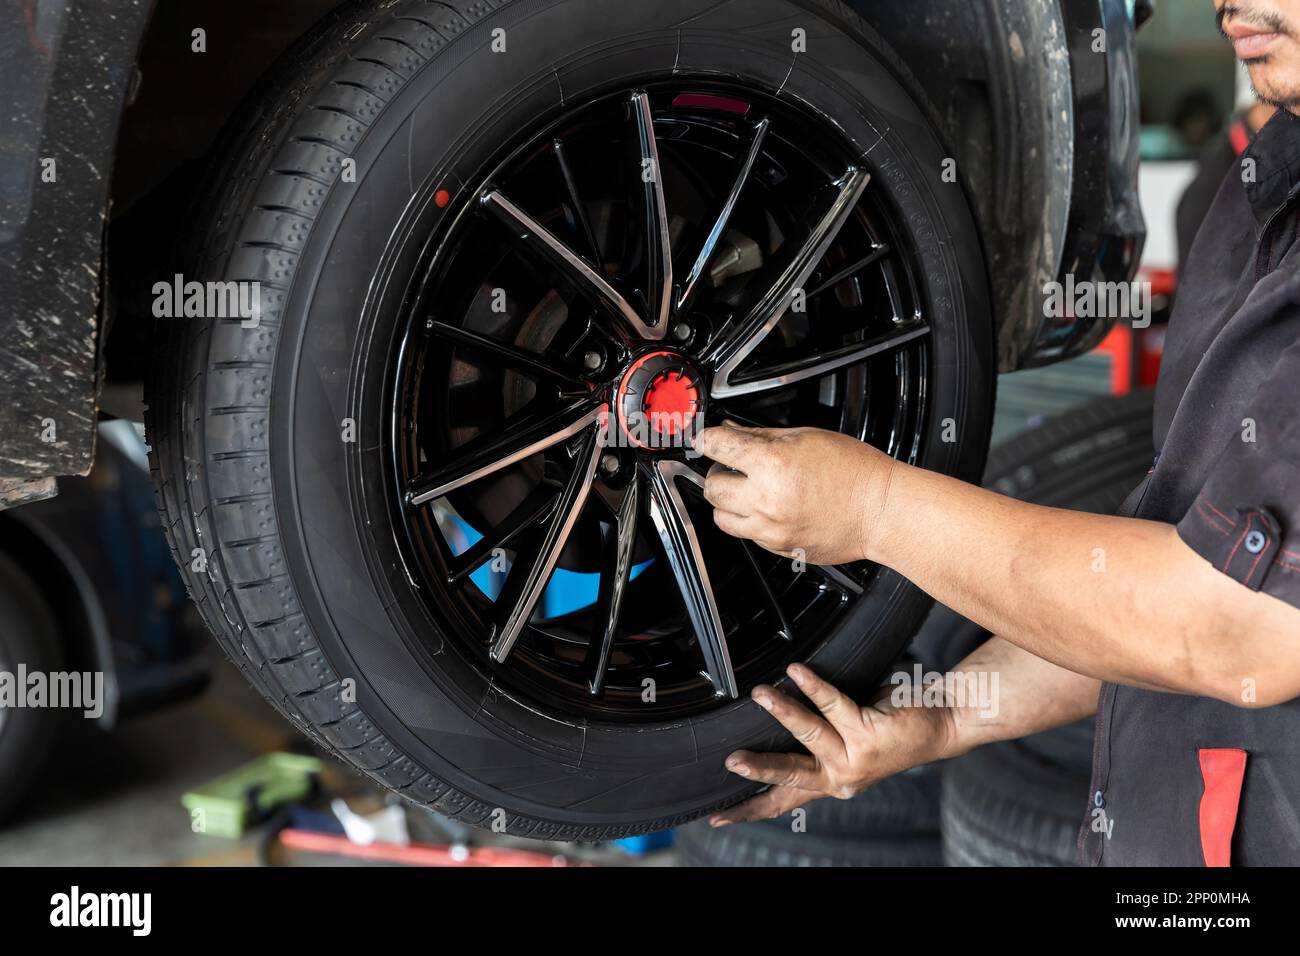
999,72
111,99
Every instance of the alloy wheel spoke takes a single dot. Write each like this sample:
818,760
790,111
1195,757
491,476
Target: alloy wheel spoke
787,630
509,355
535,507
787,373
852,269
770,309
682,549
575,200
658,246
529,574
719,229
585,279
482,458
620,548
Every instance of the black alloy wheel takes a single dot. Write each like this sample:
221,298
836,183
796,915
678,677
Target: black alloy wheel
577,324
445,489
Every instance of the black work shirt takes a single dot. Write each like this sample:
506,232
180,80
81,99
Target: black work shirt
1182,780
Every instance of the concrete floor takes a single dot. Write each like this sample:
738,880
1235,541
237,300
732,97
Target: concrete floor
114,799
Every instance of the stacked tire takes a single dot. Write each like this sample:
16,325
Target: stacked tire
895,823
1020,803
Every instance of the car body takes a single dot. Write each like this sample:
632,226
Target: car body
1038,102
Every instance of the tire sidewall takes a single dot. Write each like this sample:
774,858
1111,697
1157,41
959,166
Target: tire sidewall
339,326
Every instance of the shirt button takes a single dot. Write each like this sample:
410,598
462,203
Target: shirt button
1099,799
1255,542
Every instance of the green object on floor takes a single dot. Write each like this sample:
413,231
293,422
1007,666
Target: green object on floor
226,806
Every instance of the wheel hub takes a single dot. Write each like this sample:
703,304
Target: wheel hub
660,400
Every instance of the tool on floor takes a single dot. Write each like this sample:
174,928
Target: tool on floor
228,805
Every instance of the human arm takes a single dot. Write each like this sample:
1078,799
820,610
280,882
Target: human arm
1074,589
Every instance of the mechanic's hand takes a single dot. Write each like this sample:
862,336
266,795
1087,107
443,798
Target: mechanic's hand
796,491
852,747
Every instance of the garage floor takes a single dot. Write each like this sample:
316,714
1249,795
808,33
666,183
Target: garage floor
113,799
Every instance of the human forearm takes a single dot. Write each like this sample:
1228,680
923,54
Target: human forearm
1032,695
1117,599
1076,588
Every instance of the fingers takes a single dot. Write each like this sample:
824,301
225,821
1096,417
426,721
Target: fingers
751,527
813,732
764,432
738,526
798,771
731,446
836,706
725,489
766,806
796,778
752,429
733,513
768,545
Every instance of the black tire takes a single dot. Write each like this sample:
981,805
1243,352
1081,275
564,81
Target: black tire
1020,803
28,636
300,577
895,823
1087,459
1003,806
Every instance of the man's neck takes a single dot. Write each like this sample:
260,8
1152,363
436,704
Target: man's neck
1258,115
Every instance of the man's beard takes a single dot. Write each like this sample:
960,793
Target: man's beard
1289,101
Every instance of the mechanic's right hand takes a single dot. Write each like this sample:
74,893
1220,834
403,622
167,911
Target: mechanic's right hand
851,747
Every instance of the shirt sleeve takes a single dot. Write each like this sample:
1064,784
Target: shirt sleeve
1246,518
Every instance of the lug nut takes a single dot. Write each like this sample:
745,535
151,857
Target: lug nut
681,331
609,464
592,361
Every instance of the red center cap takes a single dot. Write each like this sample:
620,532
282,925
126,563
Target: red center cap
671,401
660,399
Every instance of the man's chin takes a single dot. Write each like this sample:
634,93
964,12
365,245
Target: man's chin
1285,101
1284,93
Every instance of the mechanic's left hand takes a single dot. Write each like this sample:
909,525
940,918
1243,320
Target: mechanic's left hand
800,492
850,748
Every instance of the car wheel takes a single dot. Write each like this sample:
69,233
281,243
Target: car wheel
414,499
29,639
